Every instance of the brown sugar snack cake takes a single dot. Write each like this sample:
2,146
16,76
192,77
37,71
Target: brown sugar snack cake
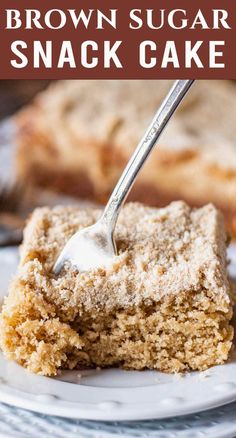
77,136
163,303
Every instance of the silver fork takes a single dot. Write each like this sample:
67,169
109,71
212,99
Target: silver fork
94,246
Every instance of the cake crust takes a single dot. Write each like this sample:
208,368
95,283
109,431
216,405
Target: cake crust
169,279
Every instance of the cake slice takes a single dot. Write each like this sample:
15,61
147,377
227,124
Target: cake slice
77,136
163,303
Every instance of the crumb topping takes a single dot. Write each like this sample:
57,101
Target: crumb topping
160,251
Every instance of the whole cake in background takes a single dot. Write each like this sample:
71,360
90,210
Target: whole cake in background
76,137
163,303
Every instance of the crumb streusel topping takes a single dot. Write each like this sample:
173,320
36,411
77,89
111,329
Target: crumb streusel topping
161,251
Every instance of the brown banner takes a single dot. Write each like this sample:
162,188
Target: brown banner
111,39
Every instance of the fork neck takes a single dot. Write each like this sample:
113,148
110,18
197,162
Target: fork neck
141,153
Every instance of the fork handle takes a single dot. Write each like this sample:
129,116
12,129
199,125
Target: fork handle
142,151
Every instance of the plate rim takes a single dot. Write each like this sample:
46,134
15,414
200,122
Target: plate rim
78,413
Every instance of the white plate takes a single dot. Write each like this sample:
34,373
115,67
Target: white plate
113,394
216,423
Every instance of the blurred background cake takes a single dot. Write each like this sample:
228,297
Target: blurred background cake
75,137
